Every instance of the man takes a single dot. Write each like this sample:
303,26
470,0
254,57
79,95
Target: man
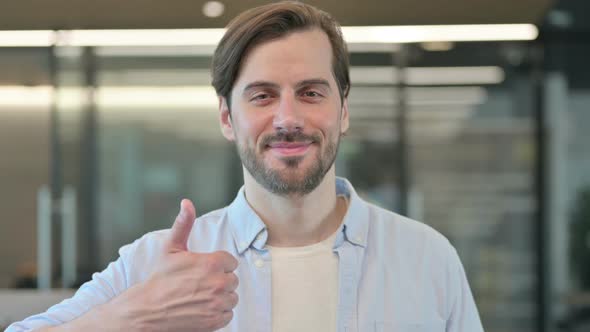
298,248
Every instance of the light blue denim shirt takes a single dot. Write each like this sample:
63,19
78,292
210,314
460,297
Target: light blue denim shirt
395,274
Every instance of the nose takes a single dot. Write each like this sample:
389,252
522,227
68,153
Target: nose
288,116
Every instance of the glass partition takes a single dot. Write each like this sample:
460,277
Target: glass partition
138,130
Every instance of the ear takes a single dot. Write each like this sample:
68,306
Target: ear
225,120
344,117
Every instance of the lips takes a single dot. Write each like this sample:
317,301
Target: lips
289,148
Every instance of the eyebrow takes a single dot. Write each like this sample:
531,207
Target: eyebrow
260,84
271,85
313,81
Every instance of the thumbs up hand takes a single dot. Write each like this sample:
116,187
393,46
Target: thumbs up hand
187,291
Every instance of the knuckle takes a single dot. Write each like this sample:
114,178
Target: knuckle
218,304
234,280
227,257
223,255
237,280
228,316
208,321
219,286
234,262
211,307
223,319
211,263
213,324
235,298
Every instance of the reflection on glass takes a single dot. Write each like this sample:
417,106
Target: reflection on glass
157,141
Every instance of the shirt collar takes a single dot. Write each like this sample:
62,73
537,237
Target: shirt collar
355,226
246,226
249,230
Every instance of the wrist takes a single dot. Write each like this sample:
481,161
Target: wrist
129,311
99,318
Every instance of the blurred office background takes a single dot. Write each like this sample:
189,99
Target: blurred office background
485,140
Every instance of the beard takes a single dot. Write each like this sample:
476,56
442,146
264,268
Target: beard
290,180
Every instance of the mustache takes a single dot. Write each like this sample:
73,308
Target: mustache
289,137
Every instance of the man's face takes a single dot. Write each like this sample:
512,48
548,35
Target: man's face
286,113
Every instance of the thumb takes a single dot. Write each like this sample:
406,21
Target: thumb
182,227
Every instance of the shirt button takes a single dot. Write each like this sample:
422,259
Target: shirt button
259,263
358,239
243,244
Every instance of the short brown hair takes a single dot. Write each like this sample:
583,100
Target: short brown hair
265,23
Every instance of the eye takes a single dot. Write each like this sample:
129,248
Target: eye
311,94
261,96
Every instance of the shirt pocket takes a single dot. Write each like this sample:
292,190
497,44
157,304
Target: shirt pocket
429,326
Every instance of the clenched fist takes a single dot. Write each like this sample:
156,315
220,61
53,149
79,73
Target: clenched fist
187,291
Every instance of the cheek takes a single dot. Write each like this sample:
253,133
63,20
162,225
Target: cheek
330,127
251,129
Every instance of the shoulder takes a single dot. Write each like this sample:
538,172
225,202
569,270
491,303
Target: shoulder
211,222
415,251
408,257
404,234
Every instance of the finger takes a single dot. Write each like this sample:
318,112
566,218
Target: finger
231,282
229,301
228,262
181,228
224,318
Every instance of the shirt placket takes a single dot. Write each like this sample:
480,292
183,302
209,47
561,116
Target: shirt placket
260,260
348,284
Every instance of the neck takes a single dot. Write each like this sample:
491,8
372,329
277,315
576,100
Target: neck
297,220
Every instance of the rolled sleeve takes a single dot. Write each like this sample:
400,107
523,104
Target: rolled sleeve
104,286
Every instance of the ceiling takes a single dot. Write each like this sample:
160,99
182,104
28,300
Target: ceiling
158,14
29,66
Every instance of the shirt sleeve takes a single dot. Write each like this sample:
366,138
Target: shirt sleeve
464,316
104,286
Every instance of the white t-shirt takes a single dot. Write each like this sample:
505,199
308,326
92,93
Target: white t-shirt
304,287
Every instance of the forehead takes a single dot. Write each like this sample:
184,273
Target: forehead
294,57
